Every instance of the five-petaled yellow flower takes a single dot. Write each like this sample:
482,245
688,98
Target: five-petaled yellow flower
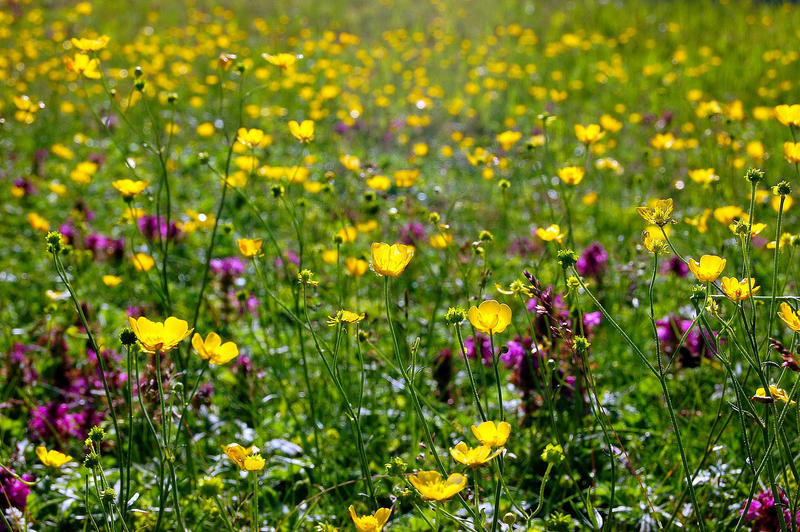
571,175
788,115
589,134
774,393
370,523
244,457
250,247
159,336
789,317
491,433
90,45
658,213
791,150
130,188
52,458
303,131
490,316
431,485
213,350
708,269
475,456
249,137
551,233
737,290
83,64
390,260
704,176
282,60
344,316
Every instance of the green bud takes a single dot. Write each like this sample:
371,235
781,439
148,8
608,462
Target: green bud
567,258
553,454
455,315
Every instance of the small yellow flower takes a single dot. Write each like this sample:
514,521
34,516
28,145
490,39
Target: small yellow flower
237,453
390,260
143,262
303,131
571,175
250,247
654,243
406,178
249,137
379,182
551,233
370,523
491,434
159,336
38,223
356,267
708,269
508,138
213,350
737,290
52,458
254,462
703,176
83,64
473,457
351,162
130,188
490,316
658,213
282,60
441,240
345,316
431,485
789,317
791,150
774,393
788,115
589,134
111,280
90,45
479,157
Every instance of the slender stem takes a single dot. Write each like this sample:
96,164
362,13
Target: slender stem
469,373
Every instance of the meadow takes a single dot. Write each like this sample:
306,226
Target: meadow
398,265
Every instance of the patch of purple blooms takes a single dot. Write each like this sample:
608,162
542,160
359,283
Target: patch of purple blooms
764,516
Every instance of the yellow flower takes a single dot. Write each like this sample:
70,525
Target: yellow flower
431,485
654,242
441,240
52,458
703,175
213,350
159,336
282,60
37,222
303,131
479,157
491,434
589,134
111,280
551,233
249,137
351,162
755,230
508,139
708,269
473,457
490,316
774,393
345,316
728,213
370,523
609,123
738,290
571,175
90,45
379,182
791,150
250,247
658,213
143,262
789,317
406,178
130,188
254,462
237,453
83,64
788,115
356,267
390,260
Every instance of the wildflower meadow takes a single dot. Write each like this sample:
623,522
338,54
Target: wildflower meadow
397,265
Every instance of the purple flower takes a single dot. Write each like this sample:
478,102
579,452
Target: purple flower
13,493
514,354
592,320
485,346
151,226
675,266
412,233
593,261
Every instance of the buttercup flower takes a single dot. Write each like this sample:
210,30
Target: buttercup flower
253,462
473,457
791,150
708,269
774,392
658,213
90,45
249,137
303,131
240,456
158,336
491,434
589,134
788,115
282,60
370,523
490,317
83,64
52,458
571,175
130,188
345,316
738,290
551,233
213,350
703,176
431,485
250,247
789,317
390,260
356,267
